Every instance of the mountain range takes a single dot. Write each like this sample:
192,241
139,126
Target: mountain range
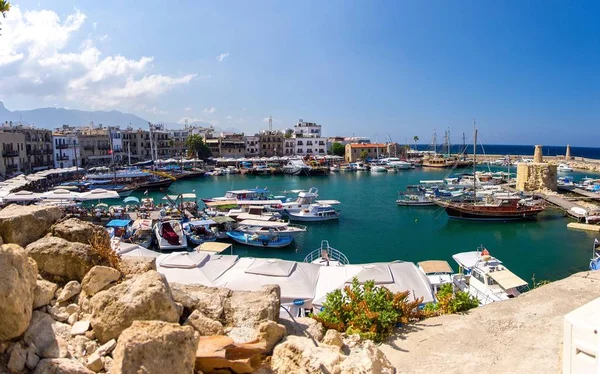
51,118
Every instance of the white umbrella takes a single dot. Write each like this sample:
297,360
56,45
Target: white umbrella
22,196
60,194
99,194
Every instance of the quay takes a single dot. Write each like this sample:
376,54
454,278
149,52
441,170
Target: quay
583,226
565,205
582,192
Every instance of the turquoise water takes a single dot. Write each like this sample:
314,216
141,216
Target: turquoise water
373,228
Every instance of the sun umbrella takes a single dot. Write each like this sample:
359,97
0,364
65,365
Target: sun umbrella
131,200
99,194
60,194
22,196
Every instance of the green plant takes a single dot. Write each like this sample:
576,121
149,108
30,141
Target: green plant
450,302
540,283
338,149
368,310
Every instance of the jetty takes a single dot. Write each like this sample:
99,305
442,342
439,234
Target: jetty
583,226
580,191
564,204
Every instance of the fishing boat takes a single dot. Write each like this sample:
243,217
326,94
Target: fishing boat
438,272
142,233
314,213
121,228
492,208
326,256
296,167
564,168
270,228
414,199
256,240
595,261
485,277
170,235
198,231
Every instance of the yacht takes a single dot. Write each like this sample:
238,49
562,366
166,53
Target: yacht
418,198
378,169
398,164
250,226
170,235
249,194
296,167
303,201
563,168
315,213
485,277
326,256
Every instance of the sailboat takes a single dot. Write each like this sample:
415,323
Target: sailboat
494,208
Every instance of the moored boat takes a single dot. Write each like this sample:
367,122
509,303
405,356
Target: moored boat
251,226
414,199
315,213
198,231
326,256
170,235
256,240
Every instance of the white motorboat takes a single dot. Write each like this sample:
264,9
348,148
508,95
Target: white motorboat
243,195
334,169
485,277
170,235
315,213
326,256
296,167
303,201
250,226
378,169
438,272
563,168
418,198
400,165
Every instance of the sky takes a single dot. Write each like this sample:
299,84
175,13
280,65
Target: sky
528,72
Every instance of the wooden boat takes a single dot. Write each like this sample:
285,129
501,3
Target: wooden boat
260,227
255,240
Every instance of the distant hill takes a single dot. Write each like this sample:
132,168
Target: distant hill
55,117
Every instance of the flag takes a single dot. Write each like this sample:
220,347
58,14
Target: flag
146,192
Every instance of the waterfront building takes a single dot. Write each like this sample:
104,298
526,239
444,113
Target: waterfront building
13,156
309,141
65,147
289,146
354,150
232,145
38,146
271,143
116,143
214,144
161,143
252,144
94,144
178,137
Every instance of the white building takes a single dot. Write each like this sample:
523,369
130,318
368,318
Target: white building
252,145
309,141
65,148
116,141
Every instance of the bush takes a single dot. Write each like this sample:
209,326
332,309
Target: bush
368,310
450,302
103,254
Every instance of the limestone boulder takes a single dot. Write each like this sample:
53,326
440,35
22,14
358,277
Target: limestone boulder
207,300
333,337
18,275
17,359
25,224
43,293
303,355
61,366
366,359
156,346
131,266
204,325
62,259
98,278
303,326
144,297
249,308
49,337
70,290
76,230
220,354
270,333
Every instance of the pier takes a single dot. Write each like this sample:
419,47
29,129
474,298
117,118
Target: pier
564,204
587,194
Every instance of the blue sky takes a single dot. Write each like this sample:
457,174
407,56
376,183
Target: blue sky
528,71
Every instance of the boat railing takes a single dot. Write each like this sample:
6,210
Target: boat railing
296,226
332,254
482,297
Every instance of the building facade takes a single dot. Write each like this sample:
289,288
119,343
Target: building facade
271,143
94,145
66,150
232,146
38,147
372,151
13,156
309,141
252,144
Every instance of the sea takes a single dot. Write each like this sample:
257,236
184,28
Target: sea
503,149
373,228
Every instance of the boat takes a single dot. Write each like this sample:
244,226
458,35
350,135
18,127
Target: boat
244,195
314,213
121,228
198,231
358,166
378,169
414,199
326,256
400,165
142,233
438,272
270,228
296,167
492,208
303,201
256,240
595,261
170,235
334,169
563,168
485,277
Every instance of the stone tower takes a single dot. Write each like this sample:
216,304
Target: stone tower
568,154
536,175
538,155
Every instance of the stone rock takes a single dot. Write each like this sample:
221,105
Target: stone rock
367,359
48,336
270,333
25,224
99,277
333,337
204,325
106,348
70,290
94,363
72,308
158,347
72,319
303,326
352,341
62,259
57,312
18,275
303,355
207,300
32,357
18,357
220,354
137,265
79,328
76,230
144,297
44,292
61,366
242,334
249,308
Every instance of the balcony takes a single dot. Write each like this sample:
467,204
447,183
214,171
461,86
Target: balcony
88,147
11,168
10,153
63,158
103,147
62,146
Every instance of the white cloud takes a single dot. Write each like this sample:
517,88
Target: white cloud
38,59
210,110
187,109
222,56
103,38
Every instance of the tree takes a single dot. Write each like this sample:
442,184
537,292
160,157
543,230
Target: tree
289,133
4,8
363,155
415,139
195,144
338,149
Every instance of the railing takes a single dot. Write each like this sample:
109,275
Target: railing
13,167
62,158
482,297
62,146
11,153
326,253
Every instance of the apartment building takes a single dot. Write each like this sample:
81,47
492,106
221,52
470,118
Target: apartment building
38,146
232,146
94,145
354,151
252,144
65,147
309,141
271,143
13,156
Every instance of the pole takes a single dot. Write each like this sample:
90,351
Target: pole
75,156
474,161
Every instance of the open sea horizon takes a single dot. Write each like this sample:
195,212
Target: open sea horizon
521,150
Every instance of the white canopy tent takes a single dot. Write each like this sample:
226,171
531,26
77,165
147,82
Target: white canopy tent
21,196
194,267
134,250
60,194
98,194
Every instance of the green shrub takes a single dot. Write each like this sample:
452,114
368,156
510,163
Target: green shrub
450,302
367,310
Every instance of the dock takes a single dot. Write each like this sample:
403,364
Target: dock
583,226
582,192
565,205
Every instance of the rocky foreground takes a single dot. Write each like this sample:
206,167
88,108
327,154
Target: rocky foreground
66,307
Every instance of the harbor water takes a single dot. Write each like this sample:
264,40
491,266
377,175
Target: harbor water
373,228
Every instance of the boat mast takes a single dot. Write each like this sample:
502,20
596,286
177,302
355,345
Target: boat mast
434,142
112,154
474,160
129,153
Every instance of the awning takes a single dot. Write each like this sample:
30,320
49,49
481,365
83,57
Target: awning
435,266
507,279
202,222
222,219
131,199
213,247
118,223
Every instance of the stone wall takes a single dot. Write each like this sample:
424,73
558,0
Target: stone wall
536,177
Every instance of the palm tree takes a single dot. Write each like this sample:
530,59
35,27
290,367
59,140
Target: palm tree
4,7
415,139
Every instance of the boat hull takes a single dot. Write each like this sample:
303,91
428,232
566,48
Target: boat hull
261,241
301,218
415,203
461,211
